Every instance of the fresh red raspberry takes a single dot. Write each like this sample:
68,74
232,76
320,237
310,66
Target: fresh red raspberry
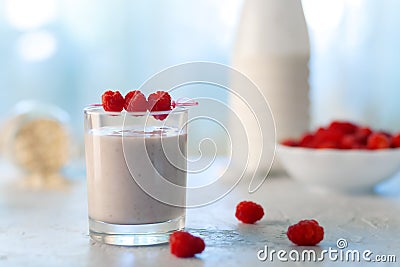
249,212
184,245
327,138
289,142
112,101
343,127
135,101
396,140
307,140
305,233
348,141
159,101
327,144
345,135
352,141
387,134
362,134
378,141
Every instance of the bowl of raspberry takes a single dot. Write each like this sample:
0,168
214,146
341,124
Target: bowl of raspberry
342,156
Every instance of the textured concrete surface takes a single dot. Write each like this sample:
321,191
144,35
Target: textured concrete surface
49,227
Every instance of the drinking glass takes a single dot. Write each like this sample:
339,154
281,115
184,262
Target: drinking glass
136,175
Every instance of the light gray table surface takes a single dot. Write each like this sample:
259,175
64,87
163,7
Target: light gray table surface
49,227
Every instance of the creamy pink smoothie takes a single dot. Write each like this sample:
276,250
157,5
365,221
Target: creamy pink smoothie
114,196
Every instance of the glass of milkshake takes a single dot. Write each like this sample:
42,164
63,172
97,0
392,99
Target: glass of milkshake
136,175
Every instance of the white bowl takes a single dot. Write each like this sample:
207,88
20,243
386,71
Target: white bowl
340,170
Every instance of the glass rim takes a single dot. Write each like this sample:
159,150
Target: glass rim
98,109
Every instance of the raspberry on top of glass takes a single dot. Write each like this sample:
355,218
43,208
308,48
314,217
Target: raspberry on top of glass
345,135
135,101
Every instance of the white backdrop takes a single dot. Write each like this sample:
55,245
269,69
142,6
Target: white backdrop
67,52
355,60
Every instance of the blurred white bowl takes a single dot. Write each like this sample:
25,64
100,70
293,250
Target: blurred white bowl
339,170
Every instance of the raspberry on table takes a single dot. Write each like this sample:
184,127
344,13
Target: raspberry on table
305,233
378,141
159,101
135,101
112,101
185,245
249,212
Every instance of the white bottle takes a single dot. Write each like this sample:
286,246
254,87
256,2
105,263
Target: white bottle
272,49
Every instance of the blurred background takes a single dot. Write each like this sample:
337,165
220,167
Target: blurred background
67,52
